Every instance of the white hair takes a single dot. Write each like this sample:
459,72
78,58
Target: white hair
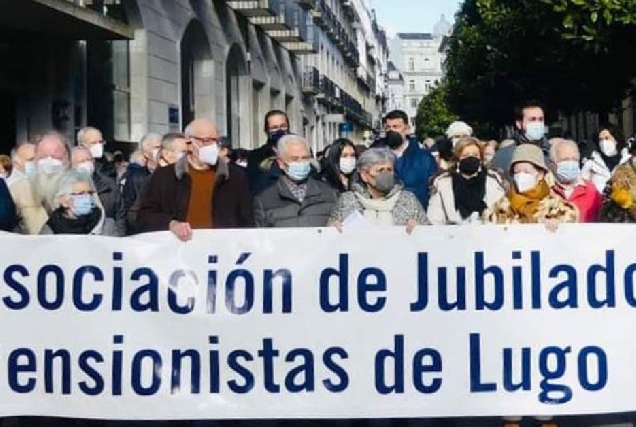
148,138
556,143
459,128
66,182
81,134
291,139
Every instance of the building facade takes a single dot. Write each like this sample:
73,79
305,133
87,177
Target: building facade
343,85
130,67
418,57
395,86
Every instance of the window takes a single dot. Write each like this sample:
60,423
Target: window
108,88
412,85
413,102
411,64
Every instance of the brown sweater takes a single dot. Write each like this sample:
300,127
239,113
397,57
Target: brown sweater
169,191
199,215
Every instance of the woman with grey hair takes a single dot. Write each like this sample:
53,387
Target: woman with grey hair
75,210
378,196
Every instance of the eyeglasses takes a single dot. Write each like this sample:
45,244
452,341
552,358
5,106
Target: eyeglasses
82,193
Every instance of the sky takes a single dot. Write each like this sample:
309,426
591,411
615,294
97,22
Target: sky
412,16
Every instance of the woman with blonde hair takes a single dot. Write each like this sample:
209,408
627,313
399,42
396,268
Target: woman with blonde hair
461,194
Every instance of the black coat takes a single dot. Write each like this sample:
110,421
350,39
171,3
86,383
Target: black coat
168,196
110,196
132,185
8,219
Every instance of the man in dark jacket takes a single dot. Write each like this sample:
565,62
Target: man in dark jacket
529,129
297,199
8,218
415,167
107,190
197,192
91,138
262,169
136,178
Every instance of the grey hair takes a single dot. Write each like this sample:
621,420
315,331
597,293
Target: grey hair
290,139
459,127
169,138
78,149
66,182
374,156
147,138
81,134
555,143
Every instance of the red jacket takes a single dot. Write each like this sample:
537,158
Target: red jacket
585,197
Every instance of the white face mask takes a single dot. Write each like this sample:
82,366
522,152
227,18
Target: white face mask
50,166
525,181
608,147
347,165
241,163
87,167
97,151
209,154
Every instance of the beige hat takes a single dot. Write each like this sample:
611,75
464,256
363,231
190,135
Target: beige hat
528,153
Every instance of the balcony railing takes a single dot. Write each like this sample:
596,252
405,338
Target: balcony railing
307,4
296,22
319,14
310,44
281,22
354,111
256,8
311,81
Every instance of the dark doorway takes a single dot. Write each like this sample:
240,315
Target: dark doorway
7,122
187,80
235,70
197,96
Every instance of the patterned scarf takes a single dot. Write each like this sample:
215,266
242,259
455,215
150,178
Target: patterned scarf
527,204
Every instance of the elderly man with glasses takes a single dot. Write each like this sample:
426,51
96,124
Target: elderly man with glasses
198,191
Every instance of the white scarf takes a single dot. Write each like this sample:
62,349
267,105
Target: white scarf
379,211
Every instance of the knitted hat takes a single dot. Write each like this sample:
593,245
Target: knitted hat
528,153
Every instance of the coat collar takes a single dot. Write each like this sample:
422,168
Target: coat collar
312,188
182,167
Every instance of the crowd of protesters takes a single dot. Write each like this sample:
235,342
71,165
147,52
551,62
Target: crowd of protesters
195,180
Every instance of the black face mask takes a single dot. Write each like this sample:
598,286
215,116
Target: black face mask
469,165
393,139
274,137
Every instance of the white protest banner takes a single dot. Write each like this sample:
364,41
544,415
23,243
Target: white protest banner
313,323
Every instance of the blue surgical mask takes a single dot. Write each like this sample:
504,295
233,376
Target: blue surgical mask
30,168
535,131
568,171
298,171
82,204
